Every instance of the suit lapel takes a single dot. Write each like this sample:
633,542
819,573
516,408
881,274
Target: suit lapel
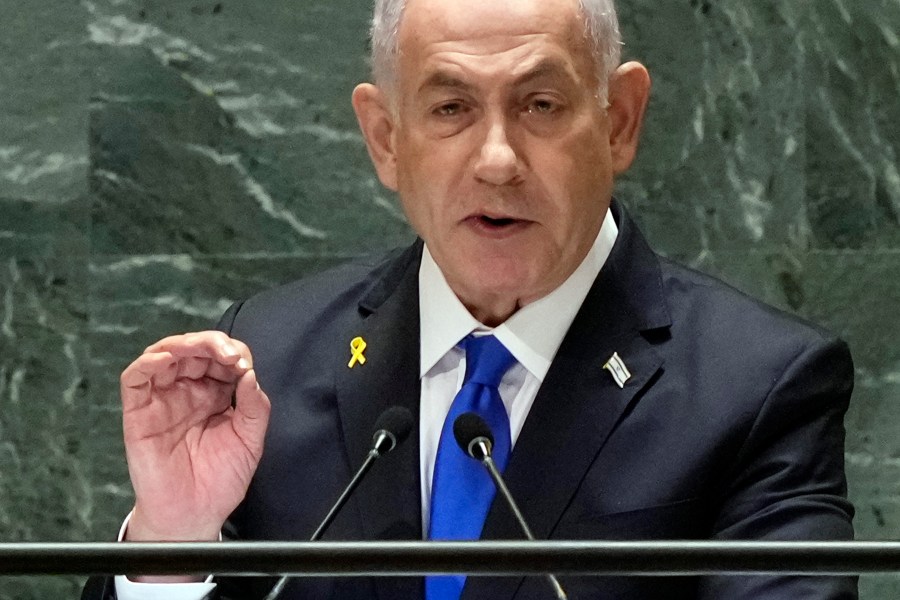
388,498
579,403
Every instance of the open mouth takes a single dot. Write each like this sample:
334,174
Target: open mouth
496,226
496,222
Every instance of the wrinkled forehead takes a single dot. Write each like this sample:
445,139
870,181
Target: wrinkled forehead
493,38
434,21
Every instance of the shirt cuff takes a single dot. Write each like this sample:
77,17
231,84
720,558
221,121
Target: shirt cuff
133,590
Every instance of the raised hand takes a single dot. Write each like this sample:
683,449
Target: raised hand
191,454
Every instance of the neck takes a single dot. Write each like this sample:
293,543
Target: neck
492,314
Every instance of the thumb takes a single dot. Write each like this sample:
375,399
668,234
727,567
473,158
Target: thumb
251,413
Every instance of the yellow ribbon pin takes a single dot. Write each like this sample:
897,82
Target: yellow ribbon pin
357,347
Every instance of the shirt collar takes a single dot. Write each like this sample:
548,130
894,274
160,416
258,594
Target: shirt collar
532,334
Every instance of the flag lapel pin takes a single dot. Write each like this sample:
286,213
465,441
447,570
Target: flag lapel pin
616,367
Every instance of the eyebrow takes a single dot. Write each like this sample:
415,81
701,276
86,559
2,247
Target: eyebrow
442,79
545,68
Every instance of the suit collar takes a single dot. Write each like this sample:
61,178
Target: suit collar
578,407
533,334
630,284
396,273
388,498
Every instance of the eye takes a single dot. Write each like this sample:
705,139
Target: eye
542,106
447,117
449,109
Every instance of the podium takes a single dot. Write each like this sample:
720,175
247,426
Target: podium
503,558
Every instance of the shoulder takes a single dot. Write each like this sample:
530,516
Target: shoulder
322,296
697,307
730,338
703,303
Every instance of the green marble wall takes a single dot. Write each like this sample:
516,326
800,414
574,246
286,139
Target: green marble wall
160,158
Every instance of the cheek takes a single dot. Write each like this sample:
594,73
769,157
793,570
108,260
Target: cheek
572,182
577,188
433,172
589,169
417,157
412,183
421,195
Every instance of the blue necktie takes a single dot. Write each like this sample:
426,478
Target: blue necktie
462,491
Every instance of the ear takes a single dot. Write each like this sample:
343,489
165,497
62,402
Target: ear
629,91
377,125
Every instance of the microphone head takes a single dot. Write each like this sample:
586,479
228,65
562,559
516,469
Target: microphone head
392,428
470,431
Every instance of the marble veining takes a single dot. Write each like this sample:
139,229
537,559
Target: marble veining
258,193
161,159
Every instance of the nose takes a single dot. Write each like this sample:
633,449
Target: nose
497,163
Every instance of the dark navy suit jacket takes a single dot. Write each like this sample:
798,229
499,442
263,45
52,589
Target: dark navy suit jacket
731,427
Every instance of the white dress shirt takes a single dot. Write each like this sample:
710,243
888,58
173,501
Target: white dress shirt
532,334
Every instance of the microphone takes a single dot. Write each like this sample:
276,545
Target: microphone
391,429
474,436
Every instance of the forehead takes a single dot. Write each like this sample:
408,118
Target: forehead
481,31
482,18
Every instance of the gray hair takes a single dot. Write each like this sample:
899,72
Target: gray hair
601,27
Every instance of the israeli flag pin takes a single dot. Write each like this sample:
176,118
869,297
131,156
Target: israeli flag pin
616,367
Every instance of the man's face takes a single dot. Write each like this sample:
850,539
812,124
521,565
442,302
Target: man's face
500,146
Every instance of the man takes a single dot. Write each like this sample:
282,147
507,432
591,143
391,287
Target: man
643,401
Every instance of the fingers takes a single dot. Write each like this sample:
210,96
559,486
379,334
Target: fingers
208,355
251,413
148,367
214,345
204,354
193,367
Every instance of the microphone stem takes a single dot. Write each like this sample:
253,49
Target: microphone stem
501,485
367,464
371,457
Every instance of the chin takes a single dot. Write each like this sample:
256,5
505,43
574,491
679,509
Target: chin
500,283
498,275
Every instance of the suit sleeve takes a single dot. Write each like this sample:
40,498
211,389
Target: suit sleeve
788,480
104,588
